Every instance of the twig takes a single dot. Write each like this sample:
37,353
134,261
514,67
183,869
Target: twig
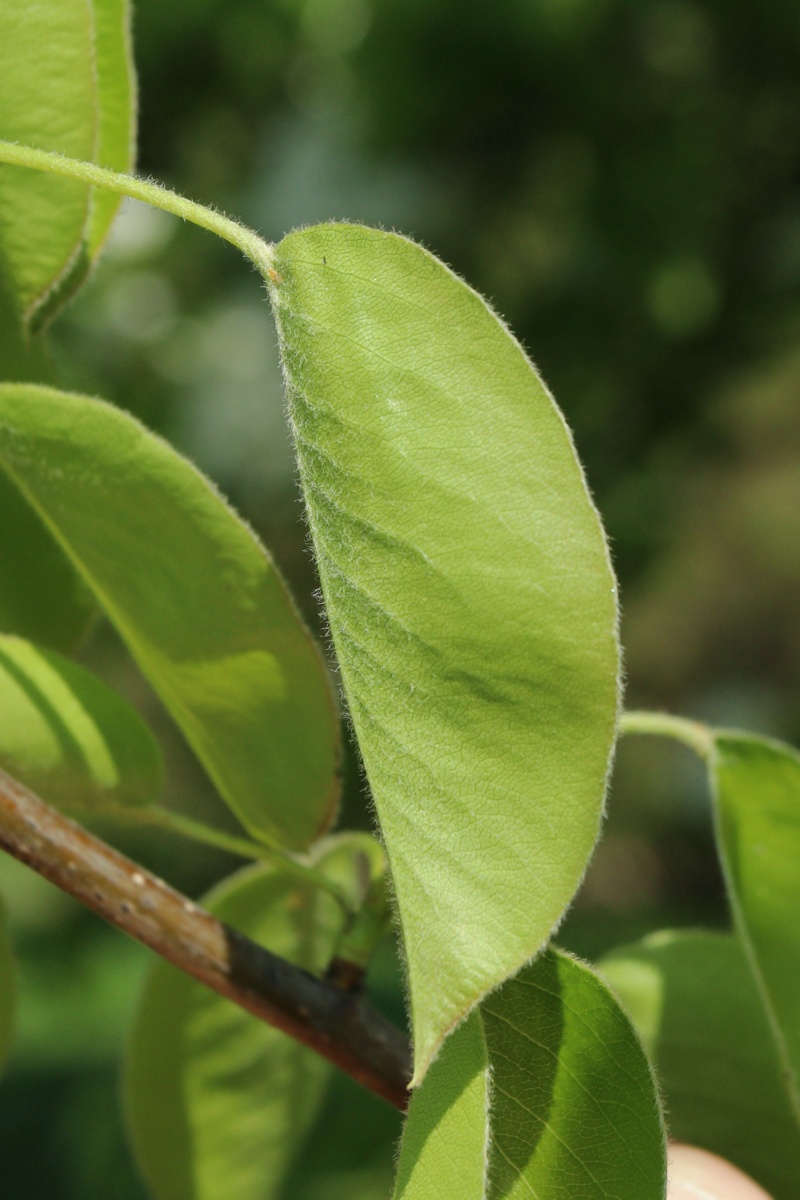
338,1025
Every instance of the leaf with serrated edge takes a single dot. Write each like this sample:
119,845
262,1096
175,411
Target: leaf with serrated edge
756,786
470,597
67,736
218,1102
544,1091
196,598
7,988
694,1001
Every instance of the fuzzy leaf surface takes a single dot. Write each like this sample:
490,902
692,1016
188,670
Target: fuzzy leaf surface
66,84
470,598
544,1091
756,785
697,1008
218,1102
196,598
67,736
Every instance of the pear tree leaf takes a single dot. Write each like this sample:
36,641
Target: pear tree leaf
67,736
470,597
543,1091
116,108
756,785
41,596
7,988
196,598
219,1103
693,998
66,85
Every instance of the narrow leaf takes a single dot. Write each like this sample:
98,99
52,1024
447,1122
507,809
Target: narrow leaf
698,1010
218,1102
195,596
545,1091
69,737
7,988
756,783
470,597
66,86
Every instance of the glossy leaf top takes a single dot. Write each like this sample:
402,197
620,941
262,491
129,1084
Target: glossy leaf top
196,598
694,1000
470,598
756,782
67,736
544,1091
7,988
219,1103
66,84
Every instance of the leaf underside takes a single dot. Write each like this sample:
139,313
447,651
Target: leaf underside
694,1001
219,1103
470,597
756,785
67,736
544,1091
66,85
196,598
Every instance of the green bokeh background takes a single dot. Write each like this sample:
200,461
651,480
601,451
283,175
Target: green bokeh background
622,179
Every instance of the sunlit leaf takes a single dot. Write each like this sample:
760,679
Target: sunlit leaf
544,1091
219,1103
116,107
470,598
65,85
7,988
196,598
698,1010
69,737
756,784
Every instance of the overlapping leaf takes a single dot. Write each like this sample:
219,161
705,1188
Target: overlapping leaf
69,737
693,998
544,1091
7,988
469,594
218,1102
41,596
194,595
66,84
756,784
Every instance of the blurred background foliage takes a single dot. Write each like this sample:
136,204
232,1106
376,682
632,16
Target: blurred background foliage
622,179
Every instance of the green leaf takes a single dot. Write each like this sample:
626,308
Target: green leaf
67,736
41,596
218,1102
116,105
196,598
470,597
7,988
697,1008
544,1091
756,783
65,85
